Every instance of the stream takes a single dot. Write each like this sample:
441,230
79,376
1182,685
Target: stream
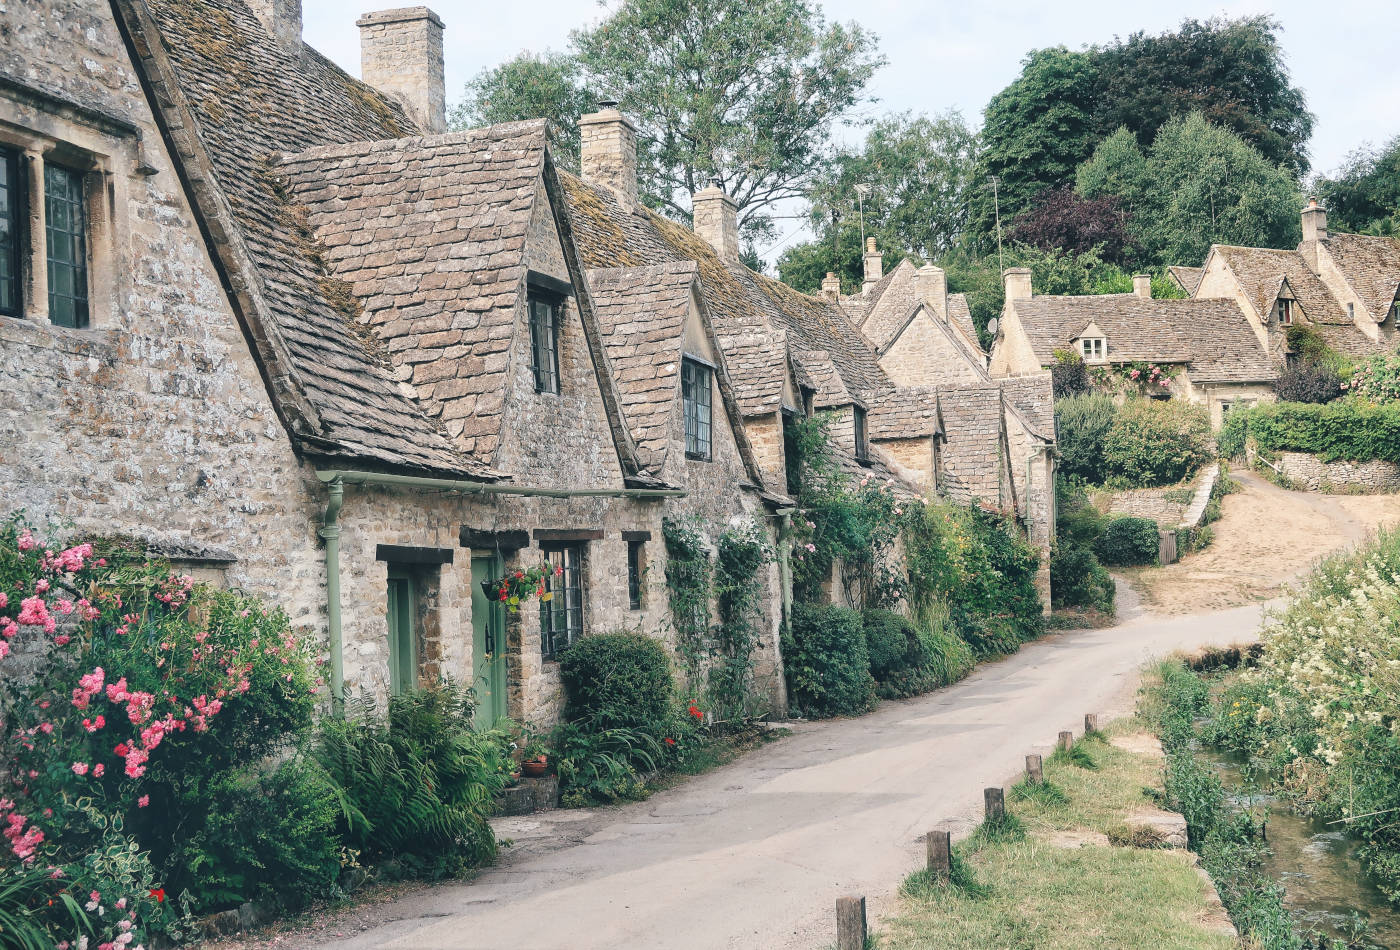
1324,880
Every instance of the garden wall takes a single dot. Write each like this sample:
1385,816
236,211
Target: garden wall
1313,474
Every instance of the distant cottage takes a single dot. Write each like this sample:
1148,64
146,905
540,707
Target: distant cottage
280,325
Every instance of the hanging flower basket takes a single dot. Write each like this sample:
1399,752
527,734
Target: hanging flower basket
516,587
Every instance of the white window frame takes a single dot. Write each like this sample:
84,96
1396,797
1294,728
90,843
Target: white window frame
1283,311
1093,349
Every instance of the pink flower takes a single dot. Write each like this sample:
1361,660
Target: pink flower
72,559
98,769
42,587
143,801
80,768
26,541
92,725
62,640
34,612
4,600
46,728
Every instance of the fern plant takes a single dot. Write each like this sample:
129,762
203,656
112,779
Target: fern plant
419,785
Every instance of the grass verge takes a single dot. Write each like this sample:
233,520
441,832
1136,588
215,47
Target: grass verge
1034,882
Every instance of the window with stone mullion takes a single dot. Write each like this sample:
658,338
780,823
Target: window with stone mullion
65,229
11,221
561,617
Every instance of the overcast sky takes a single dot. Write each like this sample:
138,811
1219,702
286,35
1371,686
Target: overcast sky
1343,53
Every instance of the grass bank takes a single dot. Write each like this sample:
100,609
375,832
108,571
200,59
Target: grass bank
1052,878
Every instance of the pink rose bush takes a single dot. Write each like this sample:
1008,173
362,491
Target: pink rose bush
139,695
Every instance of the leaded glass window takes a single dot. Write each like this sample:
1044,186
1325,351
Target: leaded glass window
65,227
696,388
561,617
544,343
11,225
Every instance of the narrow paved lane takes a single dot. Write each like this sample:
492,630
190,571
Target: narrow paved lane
754,855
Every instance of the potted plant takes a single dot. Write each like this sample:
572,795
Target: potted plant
534,755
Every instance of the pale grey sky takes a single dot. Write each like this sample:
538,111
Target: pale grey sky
957,55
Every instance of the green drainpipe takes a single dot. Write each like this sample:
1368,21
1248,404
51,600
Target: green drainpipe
330,531
785,563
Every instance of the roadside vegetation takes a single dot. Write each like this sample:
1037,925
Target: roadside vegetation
1069,868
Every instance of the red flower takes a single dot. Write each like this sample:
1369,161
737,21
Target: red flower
694,710
159,894
122,749
670,741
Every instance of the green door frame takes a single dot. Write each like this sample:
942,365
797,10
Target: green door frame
403,639
489,670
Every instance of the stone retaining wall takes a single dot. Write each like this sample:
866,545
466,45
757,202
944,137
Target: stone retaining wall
1312,473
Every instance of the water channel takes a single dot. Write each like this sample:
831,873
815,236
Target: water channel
1324,881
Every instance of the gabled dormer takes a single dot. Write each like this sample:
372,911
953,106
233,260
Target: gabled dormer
1091,344
1287,310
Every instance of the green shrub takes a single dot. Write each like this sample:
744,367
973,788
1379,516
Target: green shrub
1156,442
1229,443
1082,424
891,643
1128,541
604,765
904,660
618,679
1068,375
1077,579
827,662
946,656
1347,429
418,786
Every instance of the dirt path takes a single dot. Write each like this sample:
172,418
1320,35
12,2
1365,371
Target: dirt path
1267,538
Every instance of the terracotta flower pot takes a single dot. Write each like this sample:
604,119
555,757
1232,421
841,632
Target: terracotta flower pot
536,767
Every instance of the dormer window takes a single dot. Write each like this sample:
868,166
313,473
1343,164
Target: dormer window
1092,349
696,388
1283,311
544,342
862,443
1351,311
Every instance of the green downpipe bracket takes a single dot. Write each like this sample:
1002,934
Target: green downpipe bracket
330,533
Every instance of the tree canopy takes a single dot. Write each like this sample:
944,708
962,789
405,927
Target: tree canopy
1197,185
1365,194
530,86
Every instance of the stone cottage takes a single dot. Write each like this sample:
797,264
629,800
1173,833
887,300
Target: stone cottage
268,319
1206,350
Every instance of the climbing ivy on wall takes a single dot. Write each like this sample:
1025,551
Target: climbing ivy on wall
688,572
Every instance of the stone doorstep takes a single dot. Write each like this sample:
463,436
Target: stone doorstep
528,796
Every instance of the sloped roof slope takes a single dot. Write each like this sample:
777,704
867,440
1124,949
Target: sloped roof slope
972,453
1371,265
429,234
1262,271
1211,335
251,100
910,412
1187,278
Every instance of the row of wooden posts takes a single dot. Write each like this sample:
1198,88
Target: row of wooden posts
851,926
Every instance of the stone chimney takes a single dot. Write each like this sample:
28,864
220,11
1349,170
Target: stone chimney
401,54
1142,285
282,19
608,152
716,217
932,285
1016,281
831,287
874,264
1314,221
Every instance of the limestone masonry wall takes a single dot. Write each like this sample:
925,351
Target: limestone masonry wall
1309,471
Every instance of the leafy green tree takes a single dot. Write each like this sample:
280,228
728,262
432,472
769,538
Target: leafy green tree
838,249
1197,185
1365,194
1230,71
746,92
1035,132
530,86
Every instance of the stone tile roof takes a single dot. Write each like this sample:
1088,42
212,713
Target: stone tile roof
1187,278
1261,272
960,316
757,362
910,412
642,313
429,235
1371,265
1212,336
1032,398
890,303
971,462
739,302
251,100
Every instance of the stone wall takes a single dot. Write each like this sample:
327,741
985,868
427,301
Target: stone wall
923,355
1310,472
401,54
1143,503
766,439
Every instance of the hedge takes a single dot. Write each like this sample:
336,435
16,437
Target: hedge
827,663
1128,541
617,680
1349,429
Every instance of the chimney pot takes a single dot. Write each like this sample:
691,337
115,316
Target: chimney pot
932,285
282,18
1016,281
401,54
716,217
874,264
608,152
1142,285
1314,221
831,286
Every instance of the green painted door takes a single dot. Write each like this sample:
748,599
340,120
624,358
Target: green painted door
403,640
488,645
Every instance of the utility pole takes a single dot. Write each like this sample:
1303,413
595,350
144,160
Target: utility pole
996,204
862,189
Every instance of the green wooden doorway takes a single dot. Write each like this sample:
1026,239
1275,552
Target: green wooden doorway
403,635
488,645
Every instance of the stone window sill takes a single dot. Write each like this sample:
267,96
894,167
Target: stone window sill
93,343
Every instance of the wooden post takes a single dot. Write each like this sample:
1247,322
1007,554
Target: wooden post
940,854
1066,741
995,801
1034,770
1091,723
850,923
